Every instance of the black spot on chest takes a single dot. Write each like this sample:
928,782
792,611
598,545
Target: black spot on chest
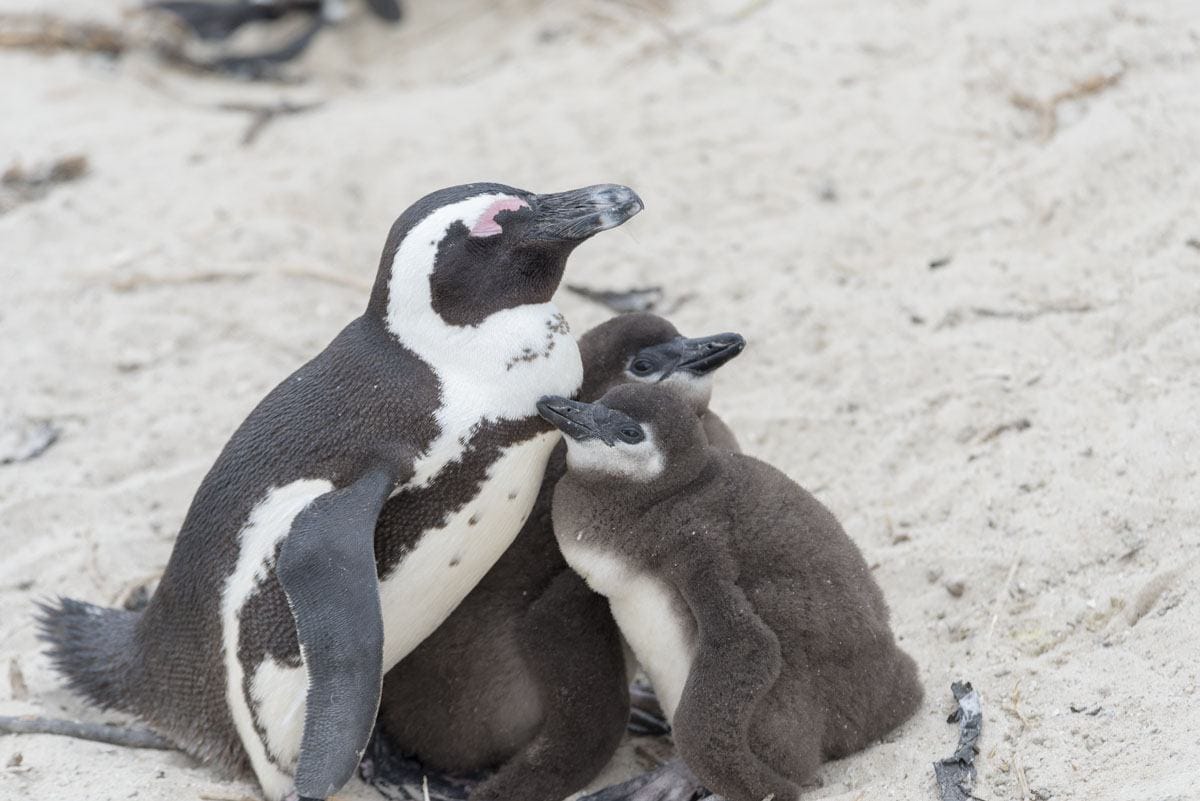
555,326
413,511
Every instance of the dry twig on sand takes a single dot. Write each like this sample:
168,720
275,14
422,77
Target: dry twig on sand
1047,110
48,33
16,681
20,185
261,114
998,603
128,736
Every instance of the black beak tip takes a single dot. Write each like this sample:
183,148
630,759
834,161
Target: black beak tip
622,203
633,204
711,352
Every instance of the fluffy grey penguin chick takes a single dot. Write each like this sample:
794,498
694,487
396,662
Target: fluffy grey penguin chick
528,673
755,616
282,605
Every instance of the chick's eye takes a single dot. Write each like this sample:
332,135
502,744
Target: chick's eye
632,434
642,367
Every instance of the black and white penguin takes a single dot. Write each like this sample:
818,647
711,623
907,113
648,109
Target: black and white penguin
528,675
217,20
755,616
266,640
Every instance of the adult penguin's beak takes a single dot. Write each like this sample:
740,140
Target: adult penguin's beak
580,213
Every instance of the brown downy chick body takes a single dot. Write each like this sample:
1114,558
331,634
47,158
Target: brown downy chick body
755,616
528,673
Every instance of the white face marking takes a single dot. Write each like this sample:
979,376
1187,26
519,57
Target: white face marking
269,522
647,611
425,588
495,370
641,462
486,225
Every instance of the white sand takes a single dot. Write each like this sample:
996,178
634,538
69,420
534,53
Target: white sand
802,163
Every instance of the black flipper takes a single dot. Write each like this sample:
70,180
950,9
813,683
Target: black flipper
217,21
265,64
327,569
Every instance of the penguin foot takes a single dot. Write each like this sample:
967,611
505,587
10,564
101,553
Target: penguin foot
403,778
646,717
673,781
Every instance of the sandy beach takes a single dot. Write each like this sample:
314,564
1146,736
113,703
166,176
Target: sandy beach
962,238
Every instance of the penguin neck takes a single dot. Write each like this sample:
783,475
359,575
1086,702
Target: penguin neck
508,360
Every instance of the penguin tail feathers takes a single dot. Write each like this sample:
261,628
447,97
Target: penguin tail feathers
93,648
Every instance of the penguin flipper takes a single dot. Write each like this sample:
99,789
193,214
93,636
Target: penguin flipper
739,660
327,569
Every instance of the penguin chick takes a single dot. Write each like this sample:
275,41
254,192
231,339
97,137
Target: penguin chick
283,602
755,616
646,349
529,673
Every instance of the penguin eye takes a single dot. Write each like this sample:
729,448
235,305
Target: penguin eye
632,434
642,367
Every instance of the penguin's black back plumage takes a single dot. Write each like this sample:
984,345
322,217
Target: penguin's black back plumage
301,429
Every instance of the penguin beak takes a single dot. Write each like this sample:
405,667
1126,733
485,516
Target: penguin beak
698,356
575,419
581,213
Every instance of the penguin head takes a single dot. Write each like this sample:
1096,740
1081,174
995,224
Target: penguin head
644,348
637,433
468,252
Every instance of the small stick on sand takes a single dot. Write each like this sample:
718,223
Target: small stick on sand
47,33
16,680
1022,779
127,736
1047,110
262,114
998,604
955,774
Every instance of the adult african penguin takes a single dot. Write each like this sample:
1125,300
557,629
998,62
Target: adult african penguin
528,675
755,616
266,640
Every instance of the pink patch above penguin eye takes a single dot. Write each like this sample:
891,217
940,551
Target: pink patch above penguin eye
486,225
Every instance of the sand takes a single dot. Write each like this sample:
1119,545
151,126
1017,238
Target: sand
962,239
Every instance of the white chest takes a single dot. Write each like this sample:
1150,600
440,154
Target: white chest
648,613
448,562
497,370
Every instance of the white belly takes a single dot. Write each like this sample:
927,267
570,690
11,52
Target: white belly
447,563
420,594
277,691
647,611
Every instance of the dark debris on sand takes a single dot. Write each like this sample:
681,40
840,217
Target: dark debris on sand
956,773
